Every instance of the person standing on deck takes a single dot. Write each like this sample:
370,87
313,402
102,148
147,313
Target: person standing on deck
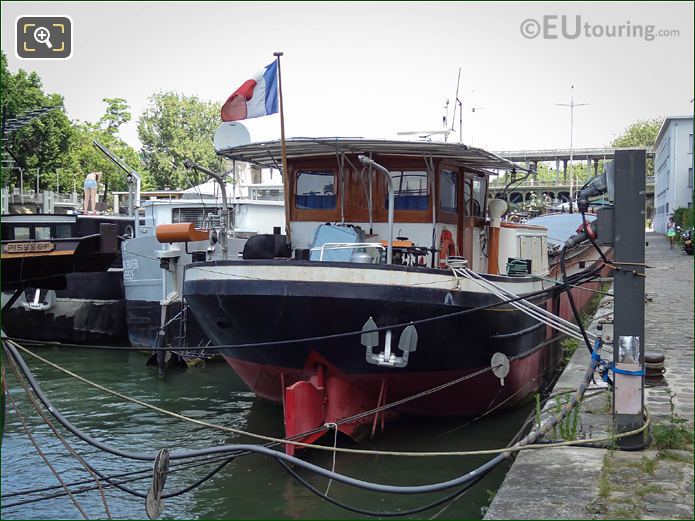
90,192
671,230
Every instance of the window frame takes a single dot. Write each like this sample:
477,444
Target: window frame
313,214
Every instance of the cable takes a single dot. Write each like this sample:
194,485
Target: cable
72,451
592,240
575,312
358,510
88,439
220,427
526,443
108,480
44,457
135,475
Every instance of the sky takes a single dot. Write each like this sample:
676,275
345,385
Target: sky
374,69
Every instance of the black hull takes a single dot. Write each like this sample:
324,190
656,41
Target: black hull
93,253
244,311
90,310
143,320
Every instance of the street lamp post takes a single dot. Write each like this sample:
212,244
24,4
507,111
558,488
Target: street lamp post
571,105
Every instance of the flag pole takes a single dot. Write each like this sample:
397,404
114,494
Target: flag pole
285,171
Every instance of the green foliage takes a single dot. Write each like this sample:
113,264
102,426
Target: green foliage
537,396
87,158
683,217
674,456
46,141
648,464
569,346
604,483
673,434
116,114
569,425
641,133
173,128
58,150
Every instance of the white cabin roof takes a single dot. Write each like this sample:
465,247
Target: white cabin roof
268,154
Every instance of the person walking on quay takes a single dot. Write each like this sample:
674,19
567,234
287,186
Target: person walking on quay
90,192
671,231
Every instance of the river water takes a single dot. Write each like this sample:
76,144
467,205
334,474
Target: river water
250,487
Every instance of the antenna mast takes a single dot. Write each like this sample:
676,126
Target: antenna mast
458,102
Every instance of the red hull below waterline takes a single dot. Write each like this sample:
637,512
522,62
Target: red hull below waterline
321,394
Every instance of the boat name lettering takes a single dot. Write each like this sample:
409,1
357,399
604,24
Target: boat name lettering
28,247
130,264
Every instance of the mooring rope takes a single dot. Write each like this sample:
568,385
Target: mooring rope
320,447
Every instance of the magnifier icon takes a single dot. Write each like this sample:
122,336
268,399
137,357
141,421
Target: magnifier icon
43,35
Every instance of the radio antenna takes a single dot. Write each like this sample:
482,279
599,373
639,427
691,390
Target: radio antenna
458,102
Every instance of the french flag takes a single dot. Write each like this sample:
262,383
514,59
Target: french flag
255,98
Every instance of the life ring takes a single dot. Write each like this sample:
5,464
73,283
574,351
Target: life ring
447,248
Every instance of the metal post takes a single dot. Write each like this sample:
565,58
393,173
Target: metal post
389,245
571,150
557,171
131,197
571,105
628,343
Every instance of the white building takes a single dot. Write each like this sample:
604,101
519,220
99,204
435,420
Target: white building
673,169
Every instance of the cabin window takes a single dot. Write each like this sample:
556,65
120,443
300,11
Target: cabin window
315,190
411,190
448,182
42,232
467,196
189,215
63,231
479,191
22,233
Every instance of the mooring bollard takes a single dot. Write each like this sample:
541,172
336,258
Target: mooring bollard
654,369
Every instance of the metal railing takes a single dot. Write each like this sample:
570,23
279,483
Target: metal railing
345,246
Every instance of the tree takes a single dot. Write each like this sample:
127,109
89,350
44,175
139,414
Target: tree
116,114
57,149
88,159
45,142
173,128
641,133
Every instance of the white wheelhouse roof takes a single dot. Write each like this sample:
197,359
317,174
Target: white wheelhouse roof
268,154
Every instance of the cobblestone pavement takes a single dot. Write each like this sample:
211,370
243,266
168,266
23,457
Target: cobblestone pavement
588,483
669,325
655,484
